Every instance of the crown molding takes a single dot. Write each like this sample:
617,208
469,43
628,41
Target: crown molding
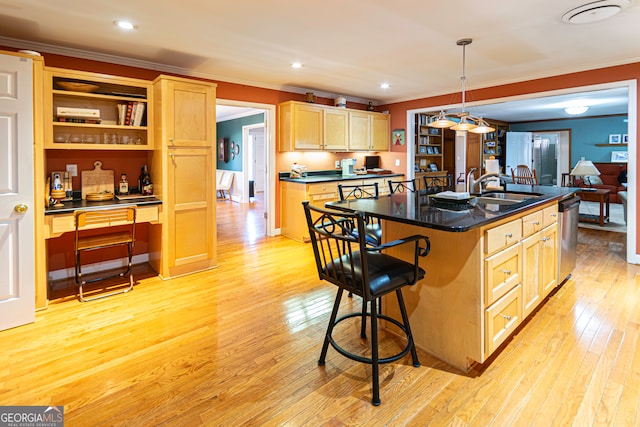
138,63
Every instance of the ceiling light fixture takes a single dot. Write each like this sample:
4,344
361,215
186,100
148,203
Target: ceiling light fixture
125,25
594,11
385,86
296,65
467,121
578,109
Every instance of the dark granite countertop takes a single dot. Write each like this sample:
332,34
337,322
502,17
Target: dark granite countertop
414,208
71,206
314,177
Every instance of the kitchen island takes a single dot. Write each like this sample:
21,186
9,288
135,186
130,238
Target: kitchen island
490,266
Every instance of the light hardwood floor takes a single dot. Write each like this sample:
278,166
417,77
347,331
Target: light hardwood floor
238,345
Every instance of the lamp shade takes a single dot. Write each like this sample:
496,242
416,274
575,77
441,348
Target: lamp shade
585,167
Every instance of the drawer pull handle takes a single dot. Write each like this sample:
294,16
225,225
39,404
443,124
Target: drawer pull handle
536,223
506,271
506,317
509,235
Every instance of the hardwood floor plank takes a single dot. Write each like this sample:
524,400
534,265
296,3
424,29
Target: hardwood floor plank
238,345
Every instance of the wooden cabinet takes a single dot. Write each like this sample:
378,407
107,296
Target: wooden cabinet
429,146
477,290
292,220
368,131
95,111
305,126
185,152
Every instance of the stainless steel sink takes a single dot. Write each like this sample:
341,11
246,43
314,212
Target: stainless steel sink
496,201
510,196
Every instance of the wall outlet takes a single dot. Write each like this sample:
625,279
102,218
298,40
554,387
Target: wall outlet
337,164
72,169
397,162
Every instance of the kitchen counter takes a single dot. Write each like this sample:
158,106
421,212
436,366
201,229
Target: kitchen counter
414,208
314,177
74,205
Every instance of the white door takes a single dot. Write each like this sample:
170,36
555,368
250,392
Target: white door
519,150
258,159
17,276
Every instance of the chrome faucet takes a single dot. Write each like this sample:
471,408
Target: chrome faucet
475,186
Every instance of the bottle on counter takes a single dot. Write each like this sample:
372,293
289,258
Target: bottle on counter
123,187
145,184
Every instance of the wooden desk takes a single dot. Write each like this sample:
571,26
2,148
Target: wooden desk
60,222
601,196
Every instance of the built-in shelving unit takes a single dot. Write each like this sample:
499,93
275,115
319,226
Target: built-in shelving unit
89,111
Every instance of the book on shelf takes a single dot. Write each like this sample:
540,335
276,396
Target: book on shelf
131,113
86,113
79,120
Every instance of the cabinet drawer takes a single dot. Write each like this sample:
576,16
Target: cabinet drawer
532,223
502,236
322,192
550,215
502,272
502,318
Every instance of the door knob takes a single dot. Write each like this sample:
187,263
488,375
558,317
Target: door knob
21,208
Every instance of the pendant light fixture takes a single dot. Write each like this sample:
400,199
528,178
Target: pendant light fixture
467,122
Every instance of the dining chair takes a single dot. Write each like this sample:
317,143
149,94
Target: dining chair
224,185
104,221
348,261
436,184
523,175
402,186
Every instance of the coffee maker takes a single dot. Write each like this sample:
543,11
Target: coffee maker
347,167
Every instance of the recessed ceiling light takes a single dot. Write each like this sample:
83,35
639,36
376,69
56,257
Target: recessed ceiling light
576,110
296,65
125,25
385,86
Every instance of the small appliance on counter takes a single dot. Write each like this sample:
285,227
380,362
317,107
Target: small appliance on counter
297,171
347,167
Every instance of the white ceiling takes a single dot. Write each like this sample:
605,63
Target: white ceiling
347,48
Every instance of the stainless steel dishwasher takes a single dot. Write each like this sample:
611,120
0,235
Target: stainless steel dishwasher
568,209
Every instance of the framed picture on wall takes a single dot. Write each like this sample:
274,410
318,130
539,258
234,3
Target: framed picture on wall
619,156
615,139
625,139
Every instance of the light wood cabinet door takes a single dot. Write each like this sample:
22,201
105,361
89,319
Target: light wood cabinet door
502,318
380,132
336,130
184,157
308,126
531,268
190,206
359,131
549,255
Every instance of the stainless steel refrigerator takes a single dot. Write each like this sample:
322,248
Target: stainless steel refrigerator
537,152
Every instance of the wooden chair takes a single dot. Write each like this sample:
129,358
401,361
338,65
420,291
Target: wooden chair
523,175
402,186
349,262
104,219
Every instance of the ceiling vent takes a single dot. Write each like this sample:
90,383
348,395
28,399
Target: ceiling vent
595,11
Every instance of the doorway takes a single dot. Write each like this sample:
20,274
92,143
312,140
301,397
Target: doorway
258,158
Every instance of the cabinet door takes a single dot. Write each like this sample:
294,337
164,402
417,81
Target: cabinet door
359,131
336,129
549,255
190,114
380,133
531,269
190,206
307,127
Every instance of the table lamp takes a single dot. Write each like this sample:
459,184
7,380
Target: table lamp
585,168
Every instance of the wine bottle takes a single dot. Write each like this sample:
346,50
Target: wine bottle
146,186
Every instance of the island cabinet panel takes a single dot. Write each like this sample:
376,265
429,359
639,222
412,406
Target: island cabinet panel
480,284
183,162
